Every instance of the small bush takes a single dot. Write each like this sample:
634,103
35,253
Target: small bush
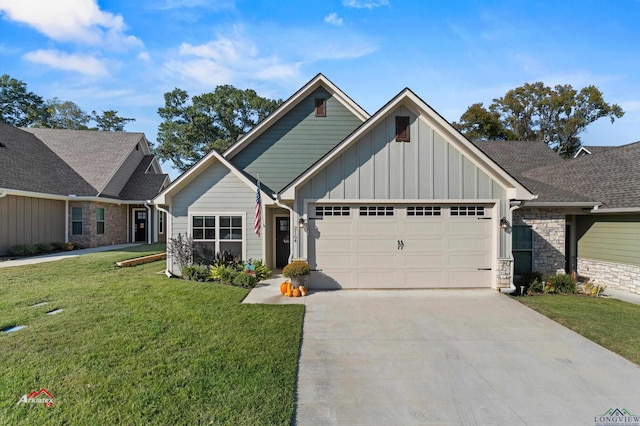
528,278
535,287
23,250
45,248
195,272
245,280
58,245
227,274
561,284
259,268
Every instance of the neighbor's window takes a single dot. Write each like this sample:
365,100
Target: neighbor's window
99,220
522,246
76,220
402,129
160,222
321,107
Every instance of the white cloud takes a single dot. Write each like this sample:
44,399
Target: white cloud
79,21
365,4
83,64
144,57
333,19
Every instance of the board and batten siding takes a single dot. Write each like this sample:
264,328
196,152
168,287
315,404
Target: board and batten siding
121,177
296,141
28,220
376,167
217,190
610,238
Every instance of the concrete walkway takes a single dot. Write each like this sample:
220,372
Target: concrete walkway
451,357
61,255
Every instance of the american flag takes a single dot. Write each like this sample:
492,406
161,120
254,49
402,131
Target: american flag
257,220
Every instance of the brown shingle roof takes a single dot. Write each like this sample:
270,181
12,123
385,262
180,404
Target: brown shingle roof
81,148
142,185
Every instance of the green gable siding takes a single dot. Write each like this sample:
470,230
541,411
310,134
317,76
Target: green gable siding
296,141
609,238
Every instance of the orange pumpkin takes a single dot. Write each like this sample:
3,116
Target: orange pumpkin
296,292
303,290
289,292
284,286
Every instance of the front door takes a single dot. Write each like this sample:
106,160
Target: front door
140,226
282,241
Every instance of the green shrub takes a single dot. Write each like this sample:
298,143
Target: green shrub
195,272
23,250
259,268
527,278
227,274
535,286
562,284
58,245
45,248
245,280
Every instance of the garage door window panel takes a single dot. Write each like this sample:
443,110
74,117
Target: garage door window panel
376,211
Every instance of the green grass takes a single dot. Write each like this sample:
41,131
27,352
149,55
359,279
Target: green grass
135,347
611,323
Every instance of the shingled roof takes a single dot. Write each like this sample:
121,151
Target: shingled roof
611,177
73,162
527,162
80,149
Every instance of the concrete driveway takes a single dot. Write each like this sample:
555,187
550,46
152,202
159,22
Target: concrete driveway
451,357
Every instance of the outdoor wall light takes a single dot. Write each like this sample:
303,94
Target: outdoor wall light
504,223
301,222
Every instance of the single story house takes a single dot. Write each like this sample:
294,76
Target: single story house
397,199
90,188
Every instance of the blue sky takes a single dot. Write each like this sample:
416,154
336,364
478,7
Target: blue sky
124,55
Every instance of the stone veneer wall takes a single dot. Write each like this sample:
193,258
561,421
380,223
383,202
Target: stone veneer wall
504,273
614,275
548,226
115,224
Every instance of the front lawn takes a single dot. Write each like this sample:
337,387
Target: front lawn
608,322
132,346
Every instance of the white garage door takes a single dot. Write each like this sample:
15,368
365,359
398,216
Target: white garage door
401,246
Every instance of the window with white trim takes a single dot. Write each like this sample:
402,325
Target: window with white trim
217,233
424,211
376,211
467,211
160,222
322,211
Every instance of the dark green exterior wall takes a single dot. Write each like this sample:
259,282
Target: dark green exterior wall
611,238
296,141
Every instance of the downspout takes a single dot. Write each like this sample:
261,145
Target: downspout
148,207
512,266
66,221
167,233
291,224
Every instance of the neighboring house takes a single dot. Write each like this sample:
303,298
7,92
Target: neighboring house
90,188
399,199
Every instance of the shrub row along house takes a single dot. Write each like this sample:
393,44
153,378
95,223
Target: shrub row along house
400,199
89,188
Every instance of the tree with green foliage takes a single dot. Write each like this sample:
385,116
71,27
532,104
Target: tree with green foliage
110,121
215,120
65,115
18,106
538,112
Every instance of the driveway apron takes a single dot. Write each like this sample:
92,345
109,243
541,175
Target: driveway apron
455,357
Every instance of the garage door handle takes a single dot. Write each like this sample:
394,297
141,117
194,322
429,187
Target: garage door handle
484,269
400,245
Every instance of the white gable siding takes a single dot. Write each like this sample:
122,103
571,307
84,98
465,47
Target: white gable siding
217,190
